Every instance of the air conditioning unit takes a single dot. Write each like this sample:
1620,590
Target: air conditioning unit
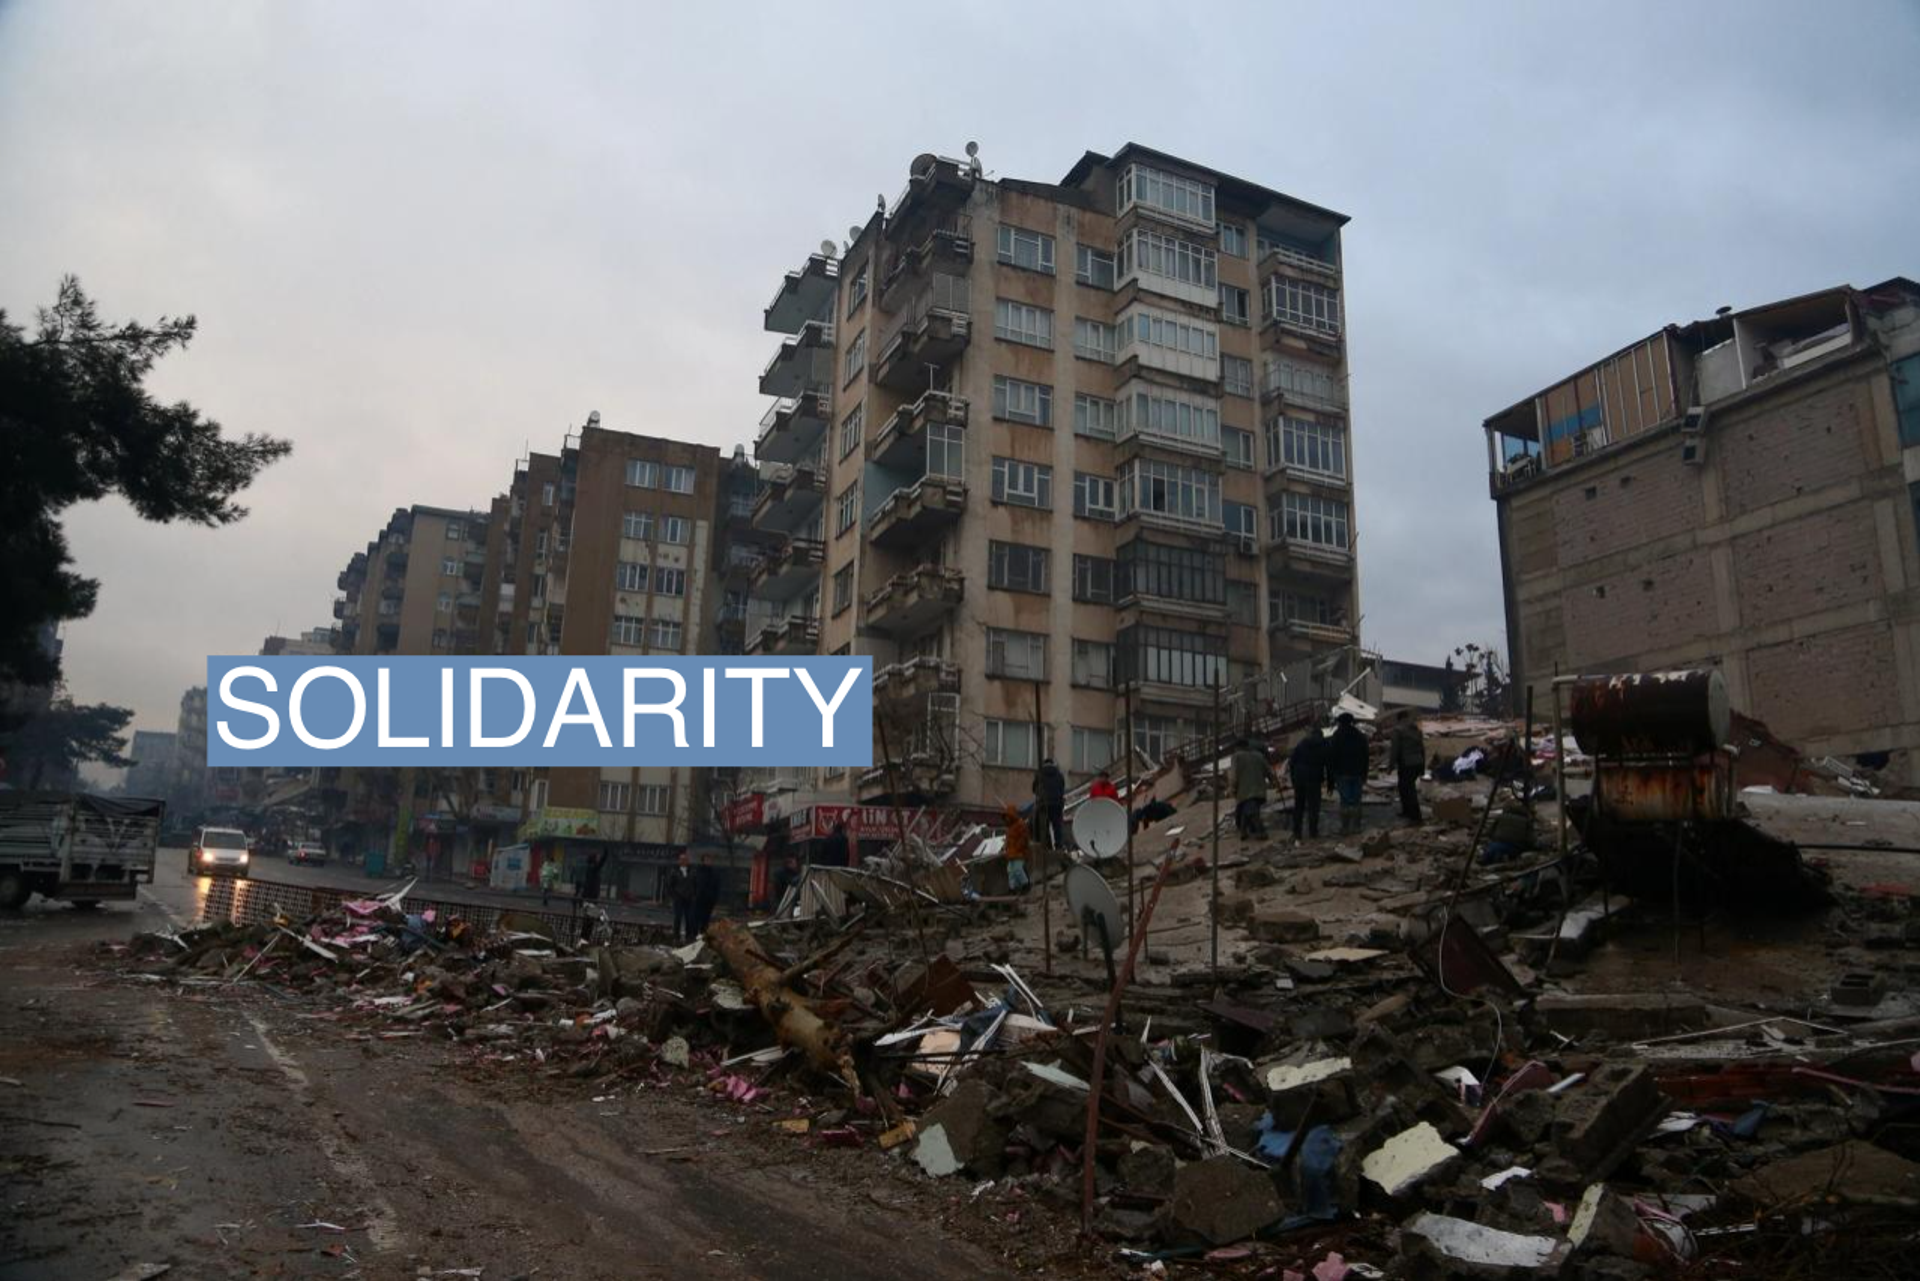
1693,437
1246,544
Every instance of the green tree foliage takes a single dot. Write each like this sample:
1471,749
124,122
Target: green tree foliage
77,423
48,746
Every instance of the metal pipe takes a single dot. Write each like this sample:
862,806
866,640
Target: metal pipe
1213,870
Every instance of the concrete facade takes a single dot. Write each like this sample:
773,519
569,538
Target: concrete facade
1035,445
1762,522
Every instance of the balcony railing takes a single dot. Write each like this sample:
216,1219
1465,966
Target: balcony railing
901,444
917,511
804,294
909,602
932,330
1304,385
1292,257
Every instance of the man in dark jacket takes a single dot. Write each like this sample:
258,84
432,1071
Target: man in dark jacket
836,851
1307,771
1050,802
590,883
706,894
1347,761
682,888
1409,760
1251,773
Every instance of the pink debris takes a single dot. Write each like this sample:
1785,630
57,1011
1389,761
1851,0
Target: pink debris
1332,1268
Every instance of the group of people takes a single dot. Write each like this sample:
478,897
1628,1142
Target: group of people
1322,762
694,890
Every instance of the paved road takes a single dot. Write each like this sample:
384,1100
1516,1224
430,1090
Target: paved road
232,1133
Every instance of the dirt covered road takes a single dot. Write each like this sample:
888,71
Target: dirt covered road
231,1133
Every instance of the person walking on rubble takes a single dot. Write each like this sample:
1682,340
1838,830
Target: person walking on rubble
682,888
1050,797
1251,775
1017,849
1409,760
1307,771
1347,761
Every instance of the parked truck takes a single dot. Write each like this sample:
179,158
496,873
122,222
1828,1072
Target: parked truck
84,849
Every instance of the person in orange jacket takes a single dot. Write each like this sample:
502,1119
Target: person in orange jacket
1016,851
1102,788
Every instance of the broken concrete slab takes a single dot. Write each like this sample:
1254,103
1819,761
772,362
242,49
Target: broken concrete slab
1598,1122
1222,1200
1407,1159
1853,1172
1462,1247
1621,1016
969,1129
1272,924
1604,1223
1149,1170
1320,1090
934,1154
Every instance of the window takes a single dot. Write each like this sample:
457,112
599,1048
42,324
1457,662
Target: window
1236,305
455,530
637,525
443,603
947,451
546,495
1307,518
540,543
439,638
843,588
1239,446
673,529
1019,322
680,480
1154,411
1093,267
856,358
1239,518
1022,402
1093,340
643,475
1171,573
1236,376
388,608
614,797
1243,603
1303,303
1157,735
1302,607
1185,493
1094,416
1092,750
559,540
1184,198
1093,664
1022,484
670,582
1013,744
846,509
1163,329
666,634
1093,579
651,798
857,291
628,630
1169,257
1016,567
1093,496
1906,398
449,568
1309,446
630,576
851,428
1304,383
1233,239
1030,249
537,795
1171,656
1016,655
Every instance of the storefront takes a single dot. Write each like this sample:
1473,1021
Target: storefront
633,871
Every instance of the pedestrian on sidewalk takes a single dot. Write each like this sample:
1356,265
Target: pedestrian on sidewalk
549,877
1347,761
1251,775
1409,760
1050,803
706,894
682,889
590,883
1307,771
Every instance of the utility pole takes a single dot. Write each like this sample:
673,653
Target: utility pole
1053,851
1213,870
1126,757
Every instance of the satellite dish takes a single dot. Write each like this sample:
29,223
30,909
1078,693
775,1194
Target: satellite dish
1100,827
973,149
826,249
853,233
593,419
1090,899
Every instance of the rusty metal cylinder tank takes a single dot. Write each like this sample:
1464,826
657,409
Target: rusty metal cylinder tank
1651,714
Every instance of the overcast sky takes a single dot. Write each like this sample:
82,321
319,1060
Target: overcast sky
420,238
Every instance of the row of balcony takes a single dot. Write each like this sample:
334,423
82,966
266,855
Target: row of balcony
910,603
901,443
791,494
796,634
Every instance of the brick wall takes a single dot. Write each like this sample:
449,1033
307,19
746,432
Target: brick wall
1660,606
1653,498
1790,449
1837,682
1817,562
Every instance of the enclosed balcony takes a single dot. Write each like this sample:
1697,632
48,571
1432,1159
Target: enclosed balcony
796,635
918,512
932,331
902,442
1307,386
946,245
793,494
789,569
1312,633
793,428
936,188
803,363
1312,560
912,602
806,294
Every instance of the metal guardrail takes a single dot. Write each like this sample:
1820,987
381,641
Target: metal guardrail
255,901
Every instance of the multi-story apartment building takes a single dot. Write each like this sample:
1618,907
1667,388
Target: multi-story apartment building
189,787
1738,492
416,588
151,774
1062,457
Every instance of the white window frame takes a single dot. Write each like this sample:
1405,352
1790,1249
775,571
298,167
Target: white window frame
1022,484
1090,263
1187,494
546,494
1240,315
1311,519
1184,199
856,360
651,799
637,526
1317,448
666,633
679,480
631,576
1001,735
852,427
1151,253
1024,248
1086,572
1305,303
1093,664
1156,411
629,629
1091,749
449,568
669,582
947,451
846,509
1016,655
642,474
443,603
1019,401
614,798
1095,340
1037,562
1095,417
1233,239
1022,322
1095,497
1236,375
1231,438
674,530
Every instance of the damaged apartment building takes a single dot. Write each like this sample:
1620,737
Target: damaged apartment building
1062,458
1739,492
